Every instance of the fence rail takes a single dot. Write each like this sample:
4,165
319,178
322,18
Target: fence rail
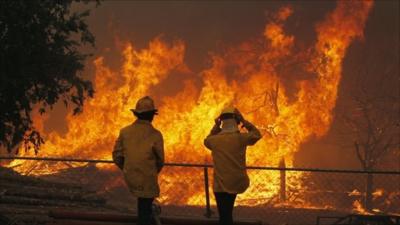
274,194
296,169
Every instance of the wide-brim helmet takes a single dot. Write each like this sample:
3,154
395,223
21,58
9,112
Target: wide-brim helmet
229,110
145,104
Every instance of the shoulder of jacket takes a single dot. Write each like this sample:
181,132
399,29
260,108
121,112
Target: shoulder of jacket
213,137
157,132
126,128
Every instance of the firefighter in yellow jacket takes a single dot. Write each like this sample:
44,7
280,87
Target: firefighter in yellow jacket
139,153
228,147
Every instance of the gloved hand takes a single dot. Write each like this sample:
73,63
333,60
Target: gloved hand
218,121
239,116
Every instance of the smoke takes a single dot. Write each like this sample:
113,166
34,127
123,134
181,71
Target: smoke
209,27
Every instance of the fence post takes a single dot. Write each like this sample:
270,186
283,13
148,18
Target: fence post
208,208
282,193
368,192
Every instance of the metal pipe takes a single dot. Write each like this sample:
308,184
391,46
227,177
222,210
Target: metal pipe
202,165
208,208
60,215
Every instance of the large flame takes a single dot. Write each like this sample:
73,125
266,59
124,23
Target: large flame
247,76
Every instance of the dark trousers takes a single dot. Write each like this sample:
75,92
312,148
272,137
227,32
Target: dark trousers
144,211
225,203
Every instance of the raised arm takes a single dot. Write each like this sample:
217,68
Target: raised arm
214,130
253,135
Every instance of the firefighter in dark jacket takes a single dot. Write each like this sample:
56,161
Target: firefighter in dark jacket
228,146
139,152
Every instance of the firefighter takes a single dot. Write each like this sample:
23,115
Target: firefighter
139,153
228,148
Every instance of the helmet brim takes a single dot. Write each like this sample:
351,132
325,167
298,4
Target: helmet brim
155,111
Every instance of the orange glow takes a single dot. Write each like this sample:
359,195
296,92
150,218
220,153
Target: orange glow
355,192
358,208
378,193
255,87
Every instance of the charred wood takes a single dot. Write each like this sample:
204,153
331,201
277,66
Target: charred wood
41,202
7,176
53,194
78,222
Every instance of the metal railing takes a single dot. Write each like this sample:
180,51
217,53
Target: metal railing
298,169
323,192
357,219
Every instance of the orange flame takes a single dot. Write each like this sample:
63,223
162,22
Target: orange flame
358,208
378,193
246,75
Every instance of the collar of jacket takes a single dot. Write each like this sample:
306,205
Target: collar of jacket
143,121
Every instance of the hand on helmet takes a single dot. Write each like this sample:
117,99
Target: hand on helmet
218,121
239,116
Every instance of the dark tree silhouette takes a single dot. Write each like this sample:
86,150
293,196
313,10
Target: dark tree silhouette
40,61
371,114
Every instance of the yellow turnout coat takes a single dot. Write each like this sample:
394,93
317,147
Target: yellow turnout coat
229,157
142,147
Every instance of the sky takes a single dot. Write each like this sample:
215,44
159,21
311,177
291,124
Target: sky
207,26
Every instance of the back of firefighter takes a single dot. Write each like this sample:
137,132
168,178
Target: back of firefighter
139,152
228,146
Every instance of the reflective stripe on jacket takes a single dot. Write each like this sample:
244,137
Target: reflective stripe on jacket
229,157
142,147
